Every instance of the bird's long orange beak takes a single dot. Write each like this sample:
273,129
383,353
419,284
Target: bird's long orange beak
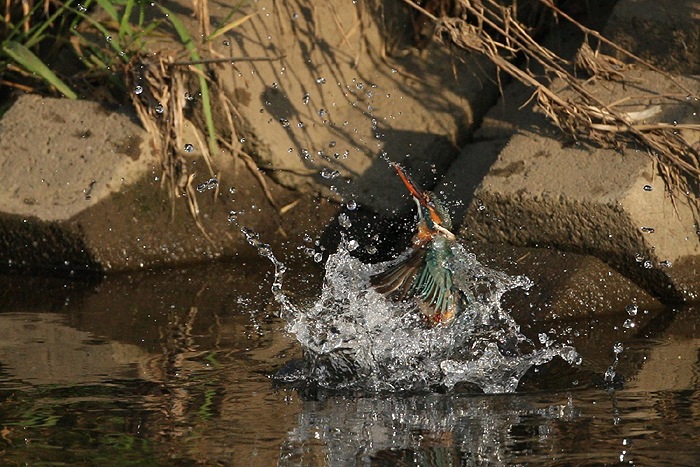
418,193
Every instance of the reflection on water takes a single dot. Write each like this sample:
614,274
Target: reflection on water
173,368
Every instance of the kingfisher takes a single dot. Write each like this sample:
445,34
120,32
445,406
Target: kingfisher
423,275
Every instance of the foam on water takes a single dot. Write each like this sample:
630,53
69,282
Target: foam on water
355,338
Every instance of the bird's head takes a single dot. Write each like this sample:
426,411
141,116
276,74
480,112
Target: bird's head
434,220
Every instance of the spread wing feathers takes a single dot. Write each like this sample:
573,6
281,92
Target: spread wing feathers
422,275
400,276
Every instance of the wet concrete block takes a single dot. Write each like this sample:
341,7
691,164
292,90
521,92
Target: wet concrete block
545,191
565,286
84,196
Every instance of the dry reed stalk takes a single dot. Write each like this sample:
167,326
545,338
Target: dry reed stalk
160,105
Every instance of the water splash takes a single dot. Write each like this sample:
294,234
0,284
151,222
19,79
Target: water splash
355,338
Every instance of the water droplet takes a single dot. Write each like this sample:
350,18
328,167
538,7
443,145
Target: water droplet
648,264
632,309
647,229
332,144
208,185
618,348
109,38
242,140
322,112
232,216
609,375
305,100
189,96
628,324
321,80
138,90
648,188
82,8
344,220
300,124
371,249
226,43
295,16
329,173
353,245
665,263
189,147
351,205
284,122
159,108
318,257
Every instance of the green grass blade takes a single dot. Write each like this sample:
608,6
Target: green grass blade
124,26
108,7
32,63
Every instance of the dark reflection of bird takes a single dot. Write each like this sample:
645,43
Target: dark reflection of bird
423,275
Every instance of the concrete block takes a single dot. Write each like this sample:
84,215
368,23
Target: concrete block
83,195
343,98
544,191
666,33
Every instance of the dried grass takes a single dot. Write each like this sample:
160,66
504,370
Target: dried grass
491,28
165,83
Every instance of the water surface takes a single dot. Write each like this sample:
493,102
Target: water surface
174,367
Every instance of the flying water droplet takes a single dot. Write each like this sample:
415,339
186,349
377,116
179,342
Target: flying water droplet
351,205
632,309
329,173
344,220
189,147
648,188
628,324
138,90
208,185
159,108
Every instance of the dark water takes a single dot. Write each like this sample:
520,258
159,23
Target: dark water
173,368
